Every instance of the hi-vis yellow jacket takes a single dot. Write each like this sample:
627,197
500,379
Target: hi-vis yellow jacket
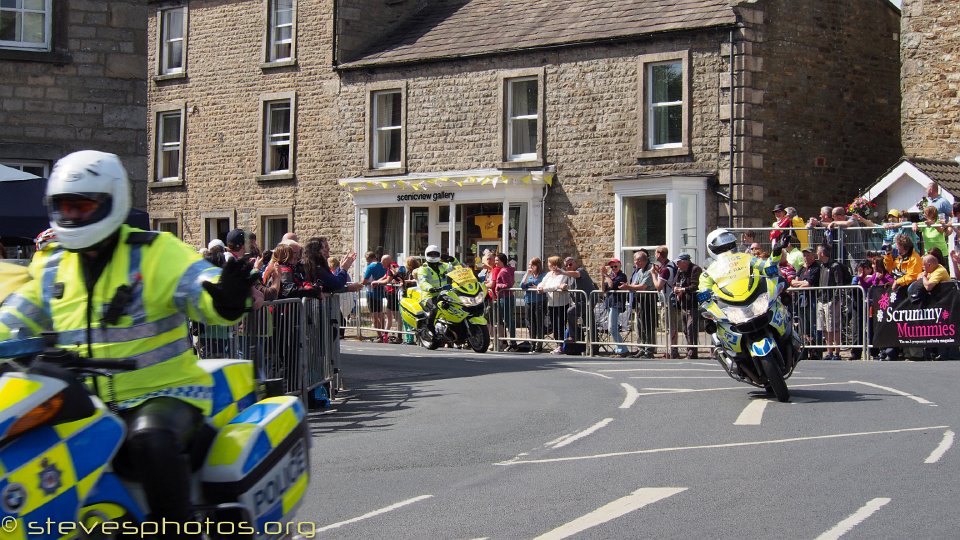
164,276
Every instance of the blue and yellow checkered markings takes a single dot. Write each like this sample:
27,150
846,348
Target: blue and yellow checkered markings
109,490
93,447
4,426
233,389
14,389
260,449
274,514
28,446
257,413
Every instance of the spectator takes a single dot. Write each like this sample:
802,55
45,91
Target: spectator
215,253
792,254
391,284
664,280
832,274
805,301
371,276
613,280
644,304
557,284
534,301
891,227
236,245
798,228
880,277
755,249
319,271
864,275
780,221
290,236
413,270
822,234
685,288
907,266
932,231
504,301
749,240
252,246
582,303
933,273
934,199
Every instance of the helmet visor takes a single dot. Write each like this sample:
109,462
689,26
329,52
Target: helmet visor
433,254
71,210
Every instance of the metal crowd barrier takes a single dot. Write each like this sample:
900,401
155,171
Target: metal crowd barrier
295,340
831,318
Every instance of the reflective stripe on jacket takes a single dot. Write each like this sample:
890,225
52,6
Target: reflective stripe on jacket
165,276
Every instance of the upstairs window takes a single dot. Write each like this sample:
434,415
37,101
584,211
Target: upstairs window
522,119
665,81
277,149
169,145
26,24
280,30
173,29
387,136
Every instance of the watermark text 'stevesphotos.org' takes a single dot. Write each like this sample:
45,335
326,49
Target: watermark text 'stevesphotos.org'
150,529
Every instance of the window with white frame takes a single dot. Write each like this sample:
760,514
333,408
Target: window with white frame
169,225
278,137
273,227
522,119
26,24
36,168
387,112
280,14
169,145
664,106
172,40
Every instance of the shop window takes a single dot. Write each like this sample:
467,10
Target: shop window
420,230
26,24
385,231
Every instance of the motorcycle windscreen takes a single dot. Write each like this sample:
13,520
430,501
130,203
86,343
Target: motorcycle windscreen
733,276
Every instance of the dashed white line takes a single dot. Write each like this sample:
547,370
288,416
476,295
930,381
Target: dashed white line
631,397
854,519
589,373
919,400
636,500
722,445
941,448
577,436
384,510
752,414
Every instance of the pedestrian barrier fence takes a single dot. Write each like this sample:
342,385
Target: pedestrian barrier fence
295,341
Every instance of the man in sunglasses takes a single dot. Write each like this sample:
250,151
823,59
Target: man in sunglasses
112,291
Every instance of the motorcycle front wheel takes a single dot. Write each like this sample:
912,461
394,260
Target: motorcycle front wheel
771,368
479,338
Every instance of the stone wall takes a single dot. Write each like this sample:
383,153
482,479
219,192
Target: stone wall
931,78
88,94
820,99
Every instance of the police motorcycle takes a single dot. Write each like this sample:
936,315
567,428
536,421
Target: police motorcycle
460,320
751,329
58,441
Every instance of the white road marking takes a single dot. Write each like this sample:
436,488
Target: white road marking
671,390
658,391
631,397
658,369
942,448
577,436
919,400
635,501
681,377
476,361
590,373
752,414
384,510
723,445
854,519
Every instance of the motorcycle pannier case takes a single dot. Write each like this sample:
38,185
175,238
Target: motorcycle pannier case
261,459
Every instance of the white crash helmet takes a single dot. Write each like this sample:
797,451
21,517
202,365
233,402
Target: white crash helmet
95,176
432,253
721,241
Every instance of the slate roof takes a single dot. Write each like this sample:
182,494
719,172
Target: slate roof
945,173
457,28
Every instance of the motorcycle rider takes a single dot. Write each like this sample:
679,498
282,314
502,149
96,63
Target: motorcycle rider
113,291
431,278
722,245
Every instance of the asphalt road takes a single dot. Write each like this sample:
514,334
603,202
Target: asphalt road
452,444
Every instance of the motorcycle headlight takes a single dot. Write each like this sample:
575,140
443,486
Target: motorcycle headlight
470,301
742,314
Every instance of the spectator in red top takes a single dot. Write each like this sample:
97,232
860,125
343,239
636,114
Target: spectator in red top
504,304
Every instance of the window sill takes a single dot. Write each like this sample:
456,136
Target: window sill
159,184
394,171
50,57
664,152
266,66
170,76
521,164
276,177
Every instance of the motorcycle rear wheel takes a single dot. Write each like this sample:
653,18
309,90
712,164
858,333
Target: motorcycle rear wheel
429,344
771,368
479,338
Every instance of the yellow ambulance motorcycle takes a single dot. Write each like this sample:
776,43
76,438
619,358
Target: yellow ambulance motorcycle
58,441
751,329
460,317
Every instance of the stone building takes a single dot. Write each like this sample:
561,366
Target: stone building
584,127
72,77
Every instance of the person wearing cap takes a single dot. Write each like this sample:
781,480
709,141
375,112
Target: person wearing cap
781,221
613,279
688,279
216,252
236,244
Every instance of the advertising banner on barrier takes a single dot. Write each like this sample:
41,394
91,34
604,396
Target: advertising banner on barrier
900,322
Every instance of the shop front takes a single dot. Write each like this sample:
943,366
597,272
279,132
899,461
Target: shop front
463,212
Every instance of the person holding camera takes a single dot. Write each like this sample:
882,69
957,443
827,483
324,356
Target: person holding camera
664,280
907,266
613,279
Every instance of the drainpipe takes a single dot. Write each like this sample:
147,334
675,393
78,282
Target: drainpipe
543,208
732,123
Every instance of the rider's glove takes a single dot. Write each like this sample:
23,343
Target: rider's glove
446,258
780,244
230,295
